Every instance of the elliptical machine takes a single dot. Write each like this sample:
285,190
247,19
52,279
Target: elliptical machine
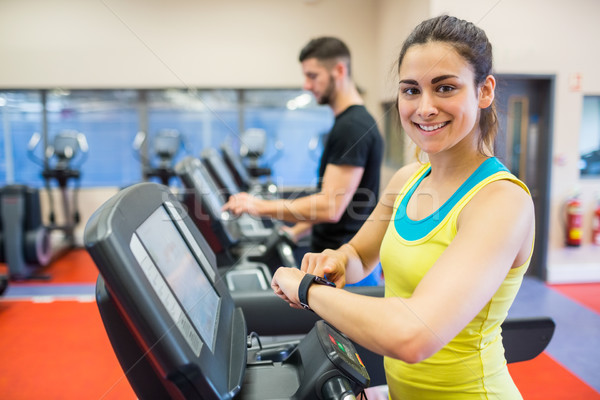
249,168
62,162
165,146
26,242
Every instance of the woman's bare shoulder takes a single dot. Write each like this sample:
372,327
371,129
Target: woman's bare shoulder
403,174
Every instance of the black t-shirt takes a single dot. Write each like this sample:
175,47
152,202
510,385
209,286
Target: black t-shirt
354,140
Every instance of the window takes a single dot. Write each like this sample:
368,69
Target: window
21,115
295,127
111,119
589,137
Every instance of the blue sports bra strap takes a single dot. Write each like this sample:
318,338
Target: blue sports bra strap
412,230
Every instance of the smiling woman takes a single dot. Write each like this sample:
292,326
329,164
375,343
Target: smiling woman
449,279
438,90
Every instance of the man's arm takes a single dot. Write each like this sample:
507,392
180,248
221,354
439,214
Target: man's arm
340,182
299,230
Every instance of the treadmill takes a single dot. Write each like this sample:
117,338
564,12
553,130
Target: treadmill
232,237
174,326
248,180
523,339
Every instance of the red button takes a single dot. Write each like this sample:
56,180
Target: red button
332,340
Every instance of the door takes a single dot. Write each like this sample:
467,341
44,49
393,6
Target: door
524,105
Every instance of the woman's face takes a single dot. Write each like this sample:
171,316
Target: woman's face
437,100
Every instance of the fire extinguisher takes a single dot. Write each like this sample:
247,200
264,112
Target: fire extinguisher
574,221
596,225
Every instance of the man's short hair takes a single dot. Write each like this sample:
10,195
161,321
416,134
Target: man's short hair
326,49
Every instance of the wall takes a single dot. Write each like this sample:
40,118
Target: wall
396,19
203,43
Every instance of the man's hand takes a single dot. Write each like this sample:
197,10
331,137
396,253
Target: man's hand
242,203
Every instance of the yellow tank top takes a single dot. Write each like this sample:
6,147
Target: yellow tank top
472,365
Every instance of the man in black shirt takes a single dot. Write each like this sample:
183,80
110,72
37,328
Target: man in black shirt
348,186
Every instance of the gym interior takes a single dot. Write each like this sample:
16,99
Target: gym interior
106,103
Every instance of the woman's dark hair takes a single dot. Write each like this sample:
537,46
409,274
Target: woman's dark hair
473,45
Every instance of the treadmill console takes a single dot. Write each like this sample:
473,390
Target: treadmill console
161,278
172,321
341,352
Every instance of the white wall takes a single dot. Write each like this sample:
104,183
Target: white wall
204,43
395,20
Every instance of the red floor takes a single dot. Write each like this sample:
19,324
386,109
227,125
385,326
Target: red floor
74,267
545,379
57,350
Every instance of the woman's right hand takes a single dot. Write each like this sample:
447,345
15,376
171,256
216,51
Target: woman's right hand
329,263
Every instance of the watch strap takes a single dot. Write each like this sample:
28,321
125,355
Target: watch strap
305,283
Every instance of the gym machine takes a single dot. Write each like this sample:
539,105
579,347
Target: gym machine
166,145
252,227
25,242
253,145
523,339
174,326
62,162
248,179
219,171
235,239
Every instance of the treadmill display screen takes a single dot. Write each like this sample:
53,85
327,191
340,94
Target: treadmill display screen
178,279
208,191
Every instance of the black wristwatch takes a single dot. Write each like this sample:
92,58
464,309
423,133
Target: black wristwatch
305,285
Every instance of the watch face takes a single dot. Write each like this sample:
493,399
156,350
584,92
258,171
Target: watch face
324,281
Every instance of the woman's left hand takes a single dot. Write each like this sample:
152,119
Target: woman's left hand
285,284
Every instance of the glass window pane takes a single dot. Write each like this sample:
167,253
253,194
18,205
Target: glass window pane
295,126
21,115
589,137
204,118
109,120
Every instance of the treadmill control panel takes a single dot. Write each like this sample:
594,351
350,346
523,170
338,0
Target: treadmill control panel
342,353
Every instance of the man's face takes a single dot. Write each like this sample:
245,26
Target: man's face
318,80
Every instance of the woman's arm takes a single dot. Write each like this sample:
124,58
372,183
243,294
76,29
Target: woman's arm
353,261
450,295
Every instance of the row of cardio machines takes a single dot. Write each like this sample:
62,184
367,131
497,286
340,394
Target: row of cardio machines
248,248
26,243
185,326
